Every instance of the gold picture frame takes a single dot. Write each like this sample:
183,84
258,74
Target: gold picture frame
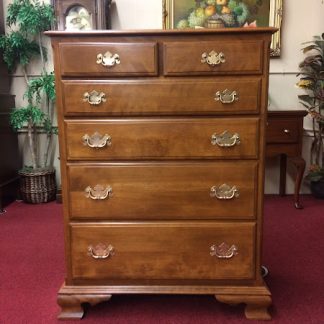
272,12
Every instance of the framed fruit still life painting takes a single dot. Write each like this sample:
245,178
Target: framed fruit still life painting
184,14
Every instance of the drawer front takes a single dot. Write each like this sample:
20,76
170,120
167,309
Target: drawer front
213,57
108,59
162,138
282,131
130,97
209,190
163,251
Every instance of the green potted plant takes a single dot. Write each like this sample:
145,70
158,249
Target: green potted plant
312,81
21,46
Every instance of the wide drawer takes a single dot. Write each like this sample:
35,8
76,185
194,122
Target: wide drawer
163,251
139,97
108,59
165,138
173,190
213,57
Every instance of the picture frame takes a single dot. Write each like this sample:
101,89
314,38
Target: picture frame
225,14
81,15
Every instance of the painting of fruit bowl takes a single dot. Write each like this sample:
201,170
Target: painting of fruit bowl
186,14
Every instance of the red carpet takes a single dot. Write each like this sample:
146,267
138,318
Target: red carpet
32,270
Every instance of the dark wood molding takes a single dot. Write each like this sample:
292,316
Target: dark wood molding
10,160
2,20
4,77
8,192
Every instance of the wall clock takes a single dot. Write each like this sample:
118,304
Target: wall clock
82,15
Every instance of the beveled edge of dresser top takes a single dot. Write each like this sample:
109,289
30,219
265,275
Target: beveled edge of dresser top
147,32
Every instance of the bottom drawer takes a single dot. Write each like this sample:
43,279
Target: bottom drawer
163,250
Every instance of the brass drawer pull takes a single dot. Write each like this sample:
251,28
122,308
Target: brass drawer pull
108,59
223,251
101,251
96,140
226,96
213,58
99,192
226,139
224,192
94,98
286,131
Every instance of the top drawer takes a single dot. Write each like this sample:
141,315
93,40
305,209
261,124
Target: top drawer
108,59
282,130
213,57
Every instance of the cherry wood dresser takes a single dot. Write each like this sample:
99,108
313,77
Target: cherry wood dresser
162,137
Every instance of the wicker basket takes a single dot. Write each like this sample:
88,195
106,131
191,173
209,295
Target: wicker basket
214,23
37,186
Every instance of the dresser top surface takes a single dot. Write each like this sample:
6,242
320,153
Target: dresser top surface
250,30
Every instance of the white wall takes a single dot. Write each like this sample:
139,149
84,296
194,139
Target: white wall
302,20
136,14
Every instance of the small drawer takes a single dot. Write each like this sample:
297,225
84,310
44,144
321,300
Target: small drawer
282,130
163,138
170,190
195,250
162,97
108,59
213,57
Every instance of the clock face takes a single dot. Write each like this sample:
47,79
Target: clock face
78,18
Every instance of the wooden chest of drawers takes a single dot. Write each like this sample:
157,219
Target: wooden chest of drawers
162,152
